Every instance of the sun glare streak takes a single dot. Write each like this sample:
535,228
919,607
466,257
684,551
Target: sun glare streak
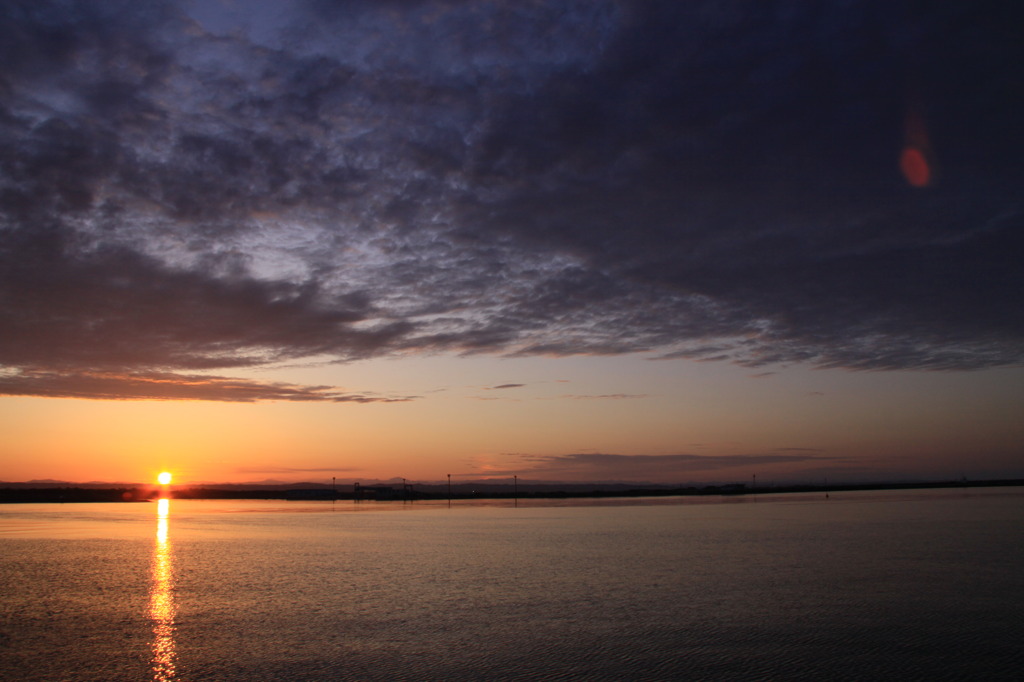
161,599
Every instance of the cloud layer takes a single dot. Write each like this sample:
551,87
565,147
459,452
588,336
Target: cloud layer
172,386
609,467
189,188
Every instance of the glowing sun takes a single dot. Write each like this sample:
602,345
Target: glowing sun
164,478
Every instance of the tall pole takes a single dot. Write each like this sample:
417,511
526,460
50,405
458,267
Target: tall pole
515,488
334,488
449,490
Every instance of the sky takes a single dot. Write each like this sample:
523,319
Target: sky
593,240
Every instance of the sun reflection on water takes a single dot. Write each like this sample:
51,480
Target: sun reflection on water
161,598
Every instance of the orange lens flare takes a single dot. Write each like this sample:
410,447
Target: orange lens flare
915,167
916,160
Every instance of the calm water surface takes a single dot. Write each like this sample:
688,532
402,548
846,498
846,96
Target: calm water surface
918,585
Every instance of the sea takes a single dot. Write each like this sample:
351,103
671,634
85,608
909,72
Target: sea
869,585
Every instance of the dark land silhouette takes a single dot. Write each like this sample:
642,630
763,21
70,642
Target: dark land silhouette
56,492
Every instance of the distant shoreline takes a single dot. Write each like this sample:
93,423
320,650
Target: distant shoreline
525,491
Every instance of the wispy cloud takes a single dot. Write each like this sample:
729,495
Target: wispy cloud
601,466
170,386
292,470
606,396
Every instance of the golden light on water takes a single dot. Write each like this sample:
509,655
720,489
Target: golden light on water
164,478
161,598
163,509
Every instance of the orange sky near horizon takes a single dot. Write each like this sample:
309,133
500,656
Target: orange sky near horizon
835,423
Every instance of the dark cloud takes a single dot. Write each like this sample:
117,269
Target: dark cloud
170,386
220,185
70,305
494,388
